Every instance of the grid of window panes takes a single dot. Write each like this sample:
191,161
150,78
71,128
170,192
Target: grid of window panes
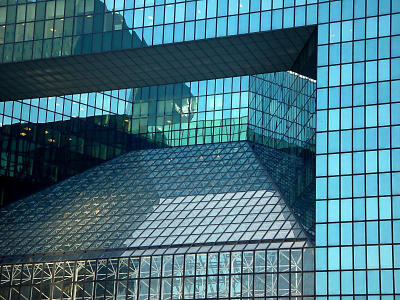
272,273
48,139
282,116
294,176
357,138
41,29
181,196
358,134
282,110
200,112
90,128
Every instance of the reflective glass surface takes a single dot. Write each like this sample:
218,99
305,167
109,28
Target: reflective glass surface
43,29
45,140
356,141
282,110
357,174
150,200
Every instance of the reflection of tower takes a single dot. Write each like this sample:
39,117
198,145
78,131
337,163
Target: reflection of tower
159,113
92,32
114,34
181,100
102,32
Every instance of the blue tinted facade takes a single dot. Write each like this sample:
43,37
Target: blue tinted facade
48,139
59,28
189,222
357,183
348,120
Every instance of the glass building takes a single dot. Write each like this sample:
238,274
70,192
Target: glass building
206,149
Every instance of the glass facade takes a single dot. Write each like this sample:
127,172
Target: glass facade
43,29
222,195
282,111
316,172
357,229
49,139
202,221
220,275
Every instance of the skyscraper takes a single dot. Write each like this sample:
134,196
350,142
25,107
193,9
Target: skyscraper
210,149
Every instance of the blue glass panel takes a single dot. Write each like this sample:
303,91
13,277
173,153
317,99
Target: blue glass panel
360,282
373,282
346,234
385,229
387,281
334,283
359,233
321,283
347,282
346,257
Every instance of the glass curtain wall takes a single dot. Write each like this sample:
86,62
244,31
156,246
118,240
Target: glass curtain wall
282,111
43,29
357,139
201,221
358,205
49,139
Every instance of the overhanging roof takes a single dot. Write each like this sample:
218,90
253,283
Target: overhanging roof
254,53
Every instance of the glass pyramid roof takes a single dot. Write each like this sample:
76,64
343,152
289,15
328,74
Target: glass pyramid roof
159,200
